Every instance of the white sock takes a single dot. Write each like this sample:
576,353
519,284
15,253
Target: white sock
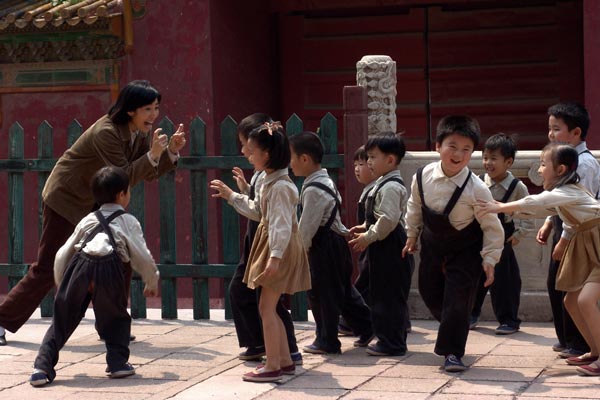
2,331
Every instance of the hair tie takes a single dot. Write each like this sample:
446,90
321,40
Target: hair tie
272,126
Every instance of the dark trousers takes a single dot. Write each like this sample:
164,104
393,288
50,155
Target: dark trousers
389,286
362,283
103,281
447,285
29,292
505,292
566,331
332,292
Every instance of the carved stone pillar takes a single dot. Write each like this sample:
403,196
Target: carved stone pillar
378,75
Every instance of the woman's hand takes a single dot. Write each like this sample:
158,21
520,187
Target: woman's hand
222,189
159,144
177,140
240,179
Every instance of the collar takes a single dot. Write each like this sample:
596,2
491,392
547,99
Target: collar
322,173
111,207
505,183
581,147
393,173
275,175
458,179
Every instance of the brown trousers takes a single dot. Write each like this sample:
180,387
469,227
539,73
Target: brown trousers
27,295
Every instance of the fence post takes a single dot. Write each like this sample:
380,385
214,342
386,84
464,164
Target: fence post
15,201
136,208
356,125
45,148
168,232
201,297
231,222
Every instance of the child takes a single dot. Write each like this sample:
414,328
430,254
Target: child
498,156
90,267
244,301
329,256
568,123
382,236
579,270
363,175
277,262
455,242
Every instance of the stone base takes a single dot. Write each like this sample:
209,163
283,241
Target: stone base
535,307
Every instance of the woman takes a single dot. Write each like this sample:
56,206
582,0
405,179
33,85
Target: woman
122,139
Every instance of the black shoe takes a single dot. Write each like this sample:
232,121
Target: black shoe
345,331
364,340
252,354
378,350
454,364
3,340
126,370
39,378
314,349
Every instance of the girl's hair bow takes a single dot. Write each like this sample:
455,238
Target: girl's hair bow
272,126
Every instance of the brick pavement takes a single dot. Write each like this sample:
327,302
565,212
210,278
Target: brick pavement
185,359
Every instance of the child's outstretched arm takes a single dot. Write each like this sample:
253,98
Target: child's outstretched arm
223,191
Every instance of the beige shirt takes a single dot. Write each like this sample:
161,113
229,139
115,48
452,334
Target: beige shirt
128,235
317,207
280,202
588,169
438,189
389,207
578,202
241,201
498,190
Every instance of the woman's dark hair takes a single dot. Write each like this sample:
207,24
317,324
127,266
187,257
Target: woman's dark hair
387,143
563,154
133,96
107,182
308,143
252,122
271,138
462,125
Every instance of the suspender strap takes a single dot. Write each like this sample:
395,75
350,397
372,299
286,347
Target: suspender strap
333,194
103,226
510,190
456,195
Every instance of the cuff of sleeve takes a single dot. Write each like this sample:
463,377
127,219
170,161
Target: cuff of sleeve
232,198
152,162
370,236
566,235
173,156
490,261
276,253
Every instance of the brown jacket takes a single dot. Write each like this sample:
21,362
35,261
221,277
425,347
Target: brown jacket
68,191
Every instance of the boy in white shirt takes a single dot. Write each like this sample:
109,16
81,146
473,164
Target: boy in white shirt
455,243
90,267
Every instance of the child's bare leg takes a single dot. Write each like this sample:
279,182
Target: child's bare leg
272,328
572,306
588,306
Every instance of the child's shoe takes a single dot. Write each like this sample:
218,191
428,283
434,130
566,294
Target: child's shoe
473,322
39,378
570,352
252,353
584,359
126,370
2,336
592,370
506,329
454,364
264,376
364,340
558,347
378,350
296,358
287,370
315,349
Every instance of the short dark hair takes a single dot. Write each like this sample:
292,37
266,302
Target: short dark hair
360,154
107,183
251,122
462,125
133,96
275,142
308,143
502,142
387,143
563,154
573,114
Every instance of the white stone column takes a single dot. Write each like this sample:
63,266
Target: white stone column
378,74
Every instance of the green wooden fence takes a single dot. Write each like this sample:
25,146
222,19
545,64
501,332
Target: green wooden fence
198,163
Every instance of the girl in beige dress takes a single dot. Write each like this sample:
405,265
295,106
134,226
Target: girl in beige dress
579,270
277,262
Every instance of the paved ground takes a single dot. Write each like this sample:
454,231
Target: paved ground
186,359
